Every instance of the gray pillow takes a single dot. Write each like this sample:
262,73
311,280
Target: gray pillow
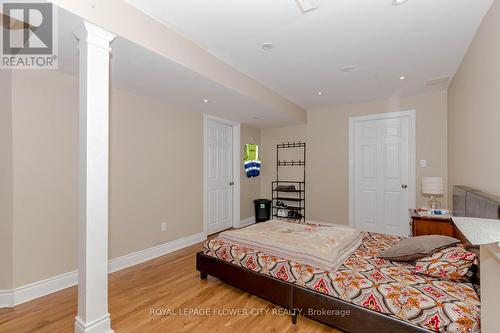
414,248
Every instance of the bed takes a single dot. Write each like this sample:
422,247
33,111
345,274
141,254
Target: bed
363,294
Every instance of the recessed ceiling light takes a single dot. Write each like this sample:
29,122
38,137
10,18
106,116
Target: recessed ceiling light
206,101
320,93
348,69
267,46
398,2
402,77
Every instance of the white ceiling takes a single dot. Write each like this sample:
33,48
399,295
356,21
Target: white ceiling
422,40
142,72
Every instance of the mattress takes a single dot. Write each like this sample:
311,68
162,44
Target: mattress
371,282
324,247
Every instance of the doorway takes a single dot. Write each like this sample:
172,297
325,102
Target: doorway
382,172
221,174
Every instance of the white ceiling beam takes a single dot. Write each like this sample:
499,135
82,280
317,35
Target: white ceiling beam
138,27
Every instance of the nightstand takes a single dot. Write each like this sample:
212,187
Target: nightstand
431,225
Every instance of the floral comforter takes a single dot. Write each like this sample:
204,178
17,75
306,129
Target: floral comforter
374,283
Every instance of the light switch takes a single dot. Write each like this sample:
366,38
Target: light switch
423,163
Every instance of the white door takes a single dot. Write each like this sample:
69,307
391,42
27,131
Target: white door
219,176
381,171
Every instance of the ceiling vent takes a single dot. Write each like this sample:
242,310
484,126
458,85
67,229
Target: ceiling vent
436,81
347,69
307,5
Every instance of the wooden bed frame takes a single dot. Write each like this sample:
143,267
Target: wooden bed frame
298,300
315,305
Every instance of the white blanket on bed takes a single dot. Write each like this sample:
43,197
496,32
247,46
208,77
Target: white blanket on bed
323,247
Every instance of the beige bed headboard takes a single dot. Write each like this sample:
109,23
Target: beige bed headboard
471,202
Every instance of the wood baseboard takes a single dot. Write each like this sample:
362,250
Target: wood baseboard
6,298
23,294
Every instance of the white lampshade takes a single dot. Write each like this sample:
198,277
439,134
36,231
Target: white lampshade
433,185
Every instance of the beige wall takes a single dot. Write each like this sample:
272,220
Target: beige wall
474,139
45,131
250,187
474,111
326,134
490,289
156,175
6,182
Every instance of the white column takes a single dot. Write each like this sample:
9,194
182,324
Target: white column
94,50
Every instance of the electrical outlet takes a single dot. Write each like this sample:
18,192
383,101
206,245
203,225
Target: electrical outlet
423,163
164,226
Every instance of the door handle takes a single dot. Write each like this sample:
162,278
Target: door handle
231,183
404,186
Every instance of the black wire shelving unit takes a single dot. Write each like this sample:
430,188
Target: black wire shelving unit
294,198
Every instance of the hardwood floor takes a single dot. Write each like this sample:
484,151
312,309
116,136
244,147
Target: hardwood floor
156,296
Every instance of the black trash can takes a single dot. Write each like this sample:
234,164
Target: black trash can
262,210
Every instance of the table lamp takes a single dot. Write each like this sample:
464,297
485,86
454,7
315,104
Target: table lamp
433,186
